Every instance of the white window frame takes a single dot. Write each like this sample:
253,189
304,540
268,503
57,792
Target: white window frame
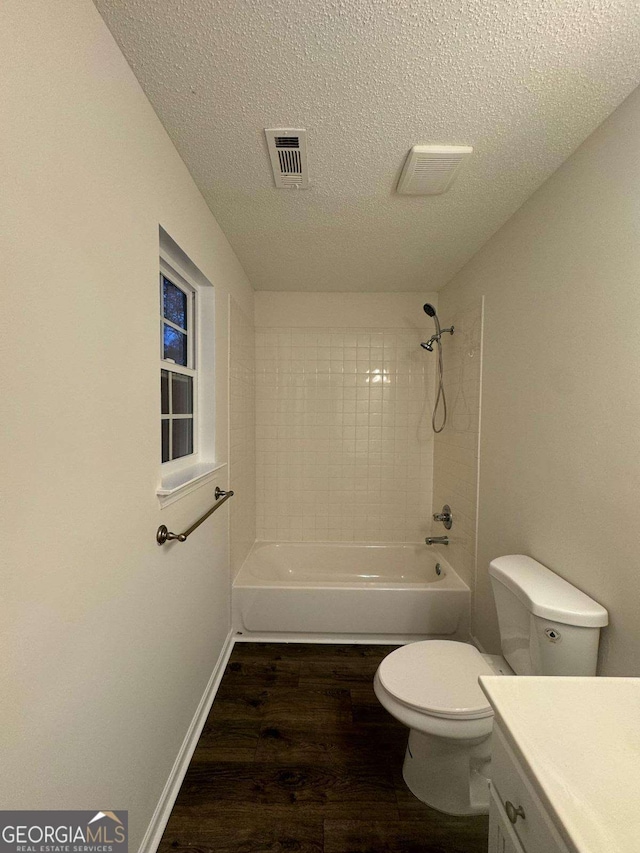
168,271
179,477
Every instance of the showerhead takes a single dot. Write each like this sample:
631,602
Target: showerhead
428,345
431,311
434,339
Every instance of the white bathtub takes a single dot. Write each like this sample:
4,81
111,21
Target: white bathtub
368,592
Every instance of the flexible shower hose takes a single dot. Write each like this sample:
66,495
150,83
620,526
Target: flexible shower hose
440,397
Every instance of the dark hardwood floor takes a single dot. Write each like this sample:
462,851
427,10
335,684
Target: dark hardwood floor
298,755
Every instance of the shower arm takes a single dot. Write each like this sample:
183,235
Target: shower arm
440,333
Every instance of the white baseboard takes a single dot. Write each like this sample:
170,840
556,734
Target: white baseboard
161,815
333,639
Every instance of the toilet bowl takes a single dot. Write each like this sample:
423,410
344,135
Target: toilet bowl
547,627
432,687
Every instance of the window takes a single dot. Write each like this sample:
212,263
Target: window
187,343
178,377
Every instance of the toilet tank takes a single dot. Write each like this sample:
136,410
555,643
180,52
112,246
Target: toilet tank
547,626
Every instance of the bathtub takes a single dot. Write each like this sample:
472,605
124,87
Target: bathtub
382,593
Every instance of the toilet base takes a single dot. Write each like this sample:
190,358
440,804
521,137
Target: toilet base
449,775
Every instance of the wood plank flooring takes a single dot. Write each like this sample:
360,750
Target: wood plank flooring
298,755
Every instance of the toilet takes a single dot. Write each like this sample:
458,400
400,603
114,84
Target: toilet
547,627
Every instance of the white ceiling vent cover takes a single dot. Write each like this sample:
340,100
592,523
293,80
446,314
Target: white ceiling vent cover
288,152
430,169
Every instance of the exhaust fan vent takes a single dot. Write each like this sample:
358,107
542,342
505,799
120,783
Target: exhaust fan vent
288,152
430,169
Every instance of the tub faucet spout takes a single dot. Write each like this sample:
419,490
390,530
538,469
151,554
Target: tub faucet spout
437,540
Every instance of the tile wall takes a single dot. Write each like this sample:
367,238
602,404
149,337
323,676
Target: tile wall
242,445
344,448
456,447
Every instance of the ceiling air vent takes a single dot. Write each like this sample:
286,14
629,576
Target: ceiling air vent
288,152
430,169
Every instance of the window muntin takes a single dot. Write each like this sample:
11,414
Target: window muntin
178,378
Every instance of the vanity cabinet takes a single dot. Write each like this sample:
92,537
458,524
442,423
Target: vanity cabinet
566,755
518,822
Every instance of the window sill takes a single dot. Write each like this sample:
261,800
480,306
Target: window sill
175,486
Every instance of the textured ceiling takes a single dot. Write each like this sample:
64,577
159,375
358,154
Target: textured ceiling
523,81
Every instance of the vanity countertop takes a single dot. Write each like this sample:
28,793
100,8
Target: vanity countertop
578,739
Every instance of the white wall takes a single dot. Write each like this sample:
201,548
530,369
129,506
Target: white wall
560,448
107,639
343,417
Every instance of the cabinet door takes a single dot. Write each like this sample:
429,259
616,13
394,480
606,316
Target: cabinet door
534,830
502,838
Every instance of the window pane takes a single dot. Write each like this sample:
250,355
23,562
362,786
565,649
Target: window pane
182,437
175,345
182,394
164,391
175,303
165,440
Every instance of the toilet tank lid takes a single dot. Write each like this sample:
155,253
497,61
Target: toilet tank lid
546,594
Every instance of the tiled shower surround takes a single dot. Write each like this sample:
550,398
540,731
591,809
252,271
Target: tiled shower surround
242,444
456,447
344,448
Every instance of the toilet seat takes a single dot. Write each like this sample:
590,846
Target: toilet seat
438,678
